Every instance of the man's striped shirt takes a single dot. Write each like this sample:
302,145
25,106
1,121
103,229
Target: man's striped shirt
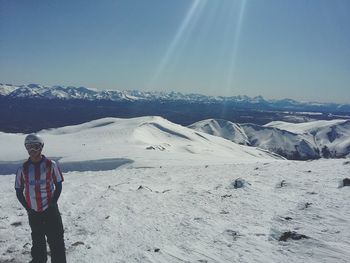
38,181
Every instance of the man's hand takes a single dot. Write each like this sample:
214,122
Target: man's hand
52,204
30,211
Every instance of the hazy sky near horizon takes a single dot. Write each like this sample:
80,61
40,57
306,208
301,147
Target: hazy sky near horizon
297,49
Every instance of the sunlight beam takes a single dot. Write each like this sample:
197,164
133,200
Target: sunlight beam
233,55
195,8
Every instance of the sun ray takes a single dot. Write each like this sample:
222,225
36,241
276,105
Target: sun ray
191,16
233,55
228,84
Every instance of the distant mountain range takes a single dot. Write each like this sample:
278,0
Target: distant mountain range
297,141
36,91
33,107
295,130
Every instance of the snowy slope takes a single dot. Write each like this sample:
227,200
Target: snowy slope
121,141
331,137
191,213
288,144
299,141
222,128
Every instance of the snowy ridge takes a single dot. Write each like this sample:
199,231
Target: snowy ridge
132,139
331,137
222,128
82,93
311,140
6,89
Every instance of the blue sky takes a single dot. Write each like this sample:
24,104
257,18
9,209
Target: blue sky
297,49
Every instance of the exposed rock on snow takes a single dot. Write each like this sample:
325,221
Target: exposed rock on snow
239,183
156,147
292,235
78,243
346,182
283,183
305,206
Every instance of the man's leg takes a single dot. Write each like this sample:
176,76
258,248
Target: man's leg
55,237
36,222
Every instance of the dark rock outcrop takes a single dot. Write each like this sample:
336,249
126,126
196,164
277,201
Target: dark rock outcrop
291,235
346,182
239,183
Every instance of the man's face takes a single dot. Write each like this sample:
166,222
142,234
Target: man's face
34,149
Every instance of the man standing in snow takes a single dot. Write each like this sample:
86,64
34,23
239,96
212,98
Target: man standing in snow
41,181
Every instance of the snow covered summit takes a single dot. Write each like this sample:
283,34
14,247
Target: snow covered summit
140,141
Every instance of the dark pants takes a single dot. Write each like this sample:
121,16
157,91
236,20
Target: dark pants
49,224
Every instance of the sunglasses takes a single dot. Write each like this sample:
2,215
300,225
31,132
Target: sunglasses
34,147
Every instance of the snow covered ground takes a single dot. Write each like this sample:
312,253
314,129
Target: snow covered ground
170,198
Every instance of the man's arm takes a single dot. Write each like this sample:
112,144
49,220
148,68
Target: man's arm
57,179
21,199
57,193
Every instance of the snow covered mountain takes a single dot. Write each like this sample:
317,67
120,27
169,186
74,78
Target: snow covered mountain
332,138
311,140
151,191
222,128
100,141
82,93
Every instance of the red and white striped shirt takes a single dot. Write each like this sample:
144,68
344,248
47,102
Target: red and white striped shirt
38,181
